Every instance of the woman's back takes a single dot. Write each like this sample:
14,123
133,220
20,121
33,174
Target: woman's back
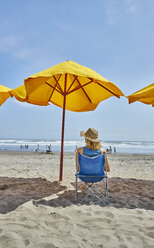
91,152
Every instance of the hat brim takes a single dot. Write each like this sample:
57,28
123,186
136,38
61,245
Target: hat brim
82,134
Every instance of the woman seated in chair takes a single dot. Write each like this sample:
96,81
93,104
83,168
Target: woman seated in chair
93,147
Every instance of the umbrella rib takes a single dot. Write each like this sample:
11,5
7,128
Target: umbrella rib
52,91
75,77
53,87
57,81
84,90
108,90
79,87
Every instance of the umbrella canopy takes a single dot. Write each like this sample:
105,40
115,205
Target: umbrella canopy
70,86
145,95
4,94
83,87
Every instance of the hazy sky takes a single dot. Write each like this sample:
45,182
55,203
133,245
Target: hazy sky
113,37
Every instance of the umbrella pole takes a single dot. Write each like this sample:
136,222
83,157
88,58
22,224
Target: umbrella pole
62,134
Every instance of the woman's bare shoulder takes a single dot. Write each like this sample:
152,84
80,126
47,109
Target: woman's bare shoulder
80,150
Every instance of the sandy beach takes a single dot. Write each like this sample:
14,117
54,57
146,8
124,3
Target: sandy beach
38,211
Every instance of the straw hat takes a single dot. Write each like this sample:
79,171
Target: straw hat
91,134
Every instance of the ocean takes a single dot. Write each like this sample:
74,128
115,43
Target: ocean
146,147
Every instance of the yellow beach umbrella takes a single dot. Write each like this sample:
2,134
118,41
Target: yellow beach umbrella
145,95
83,87
4,94
70,86
20,94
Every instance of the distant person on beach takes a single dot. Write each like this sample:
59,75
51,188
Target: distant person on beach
49,147
110,149
48,150
107,150
114,149
37,149
92,148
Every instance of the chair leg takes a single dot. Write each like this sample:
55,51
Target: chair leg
92,190
85,197
85,190
95,193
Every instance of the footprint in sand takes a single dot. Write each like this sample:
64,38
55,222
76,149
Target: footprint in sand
109,214
26,242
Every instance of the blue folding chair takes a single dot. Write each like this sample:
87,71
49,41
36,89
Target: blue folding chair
91,172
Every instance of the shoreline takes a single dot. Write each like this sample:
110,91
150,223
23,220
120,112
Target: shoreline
70,152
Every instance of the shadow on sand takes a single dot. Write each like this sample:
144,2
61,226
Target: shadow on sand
16,191
123,193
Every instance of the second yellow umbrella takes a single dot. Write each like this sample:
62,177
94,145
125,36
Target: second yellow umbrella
145,95
20,94
4,94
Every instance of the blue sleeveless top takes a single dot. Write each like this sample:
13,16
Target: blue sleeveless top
90,152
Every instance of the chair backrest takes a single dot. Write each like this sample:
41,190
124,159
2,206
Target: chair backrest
92,167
